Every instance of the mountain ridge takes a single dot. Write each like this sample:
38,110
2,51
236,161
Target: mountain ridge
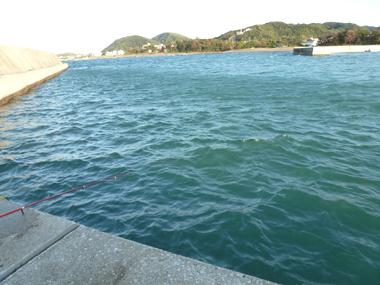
268,34
138,41
169,37
290,33
129,42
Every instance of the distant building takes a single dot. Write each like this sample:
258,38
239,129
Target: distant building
160,47
242,32
311,42
110,53
120,52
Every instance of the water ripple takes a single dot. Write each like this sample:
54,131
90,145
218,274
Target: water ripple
241,160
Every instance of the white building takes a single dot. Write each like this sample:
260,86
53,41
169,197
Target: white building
241,31
114,52
311,42
160,47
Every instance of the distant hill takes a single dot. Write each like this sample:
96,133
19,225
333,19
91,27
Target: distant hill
66,54
336,26
292,33
169,37
129,42
267,35
345,26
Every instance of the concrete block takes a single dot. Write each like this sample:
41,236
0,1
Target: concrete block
18,84
87,256
328,50
22,237
22,68
15,60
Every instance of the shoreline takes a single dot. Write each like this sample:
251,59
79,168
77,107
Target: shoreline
37,240
23,68
280,49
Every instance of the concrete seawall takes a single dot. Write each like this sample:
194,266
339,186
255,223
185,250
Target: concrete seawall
23,68
320,51
38,248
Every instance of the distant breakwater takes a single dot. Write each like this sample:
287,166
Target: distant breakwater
327,50
23,68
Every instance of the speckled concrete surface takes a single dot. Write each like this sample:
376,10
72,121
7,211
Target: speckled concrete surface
87,256
24,236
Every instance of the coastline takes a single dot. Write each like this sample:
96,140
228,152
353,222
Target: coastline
23,68
280,49
35,244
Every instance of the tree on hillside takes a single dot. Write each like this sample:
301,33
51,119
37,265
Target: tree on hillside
350,37
180,46
240,45
375,39
362,36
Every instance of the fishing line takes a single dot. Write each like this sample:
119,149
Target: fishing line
82,187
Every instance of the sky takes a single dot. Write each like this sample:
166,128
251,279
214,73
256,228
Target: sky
84,26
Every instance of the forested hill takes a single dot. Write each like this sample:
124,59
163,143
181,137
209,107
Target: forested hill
267,35
169,37
129,42
289,33
338,27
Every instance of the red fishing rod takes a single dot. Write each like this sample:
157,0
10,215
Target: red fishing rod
83,187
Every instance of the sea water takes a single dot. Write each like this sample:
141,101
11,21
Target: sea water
264,163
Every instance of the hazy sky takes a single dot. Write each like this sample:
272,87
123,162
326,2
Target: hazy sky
84,26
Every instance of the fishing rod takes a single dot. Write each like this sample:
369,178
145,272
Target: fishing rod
82,187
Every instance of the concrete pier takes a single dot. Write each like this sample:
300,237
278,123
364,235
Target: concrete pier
23,68
38,248
327,50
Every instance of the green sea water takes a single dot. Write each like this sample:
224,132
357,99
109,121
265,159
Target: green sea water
264,163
